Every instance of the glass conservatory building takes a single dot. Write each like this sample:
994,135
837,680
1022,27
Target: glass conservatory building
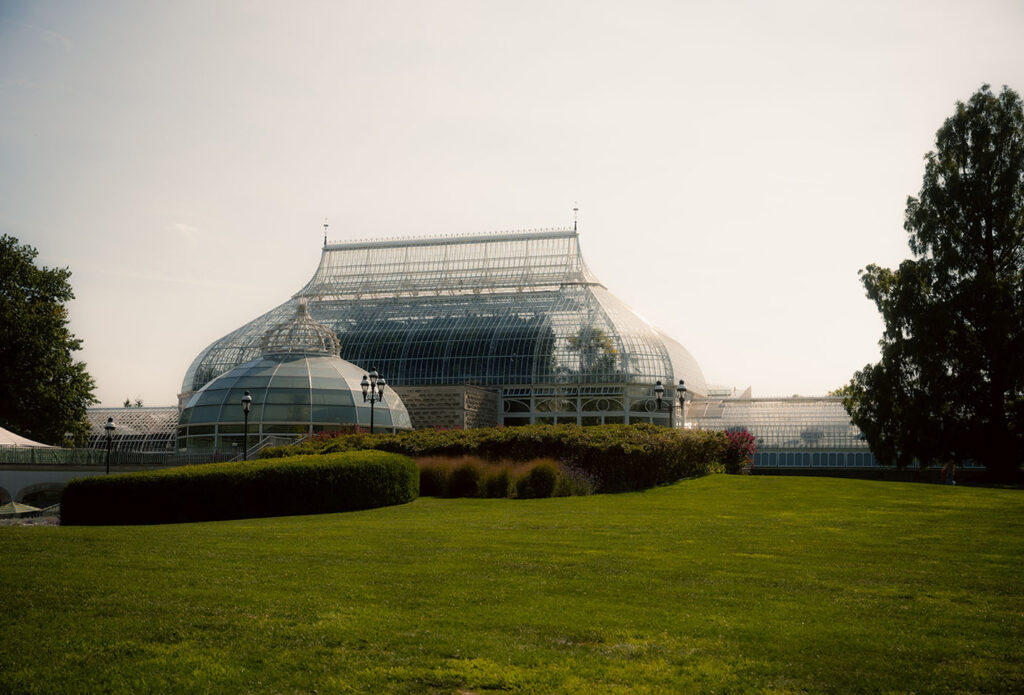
516,313
298,386
789,432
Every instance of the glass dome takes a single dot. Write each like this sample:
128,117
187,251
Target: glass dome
293,395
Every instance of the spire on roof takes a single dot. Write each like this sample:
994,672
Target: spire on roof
301,334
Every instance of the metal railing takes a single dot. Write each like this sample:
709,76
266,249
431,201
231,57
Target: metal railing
270,440
35,456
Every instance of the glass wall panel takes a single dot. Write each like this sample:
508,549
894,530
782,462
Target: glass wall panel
205,413
288,413
253,382
342,415
284,428
330,397
290,396
285,382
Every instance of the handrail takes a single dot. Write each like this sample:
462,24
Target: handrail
269,440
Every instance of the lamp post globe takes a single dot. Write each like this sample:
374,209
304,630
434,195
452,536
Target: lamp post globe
109,428
659,394
373,391
246,405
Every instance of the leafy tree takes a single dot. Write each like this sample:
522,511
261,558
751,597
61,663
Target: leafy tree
950,384
597,354
128,403
43,391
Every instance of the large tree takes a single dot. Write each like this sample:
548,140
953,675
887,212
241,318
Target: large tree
43,391
950,384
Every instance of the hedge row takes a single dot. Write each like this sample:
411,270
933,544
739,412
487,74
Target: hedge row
313,484
617,457
470,476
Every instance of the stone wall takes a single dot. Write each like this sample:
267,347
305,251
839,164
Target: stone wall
450,406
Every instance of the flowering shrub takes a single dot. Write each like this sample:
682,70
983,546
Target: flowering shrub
739,450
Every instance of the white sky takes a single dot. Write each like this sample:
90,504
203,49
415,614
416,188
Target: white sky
735,163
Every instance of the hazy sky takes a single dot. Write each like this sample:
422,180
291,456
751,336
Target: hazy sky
735,163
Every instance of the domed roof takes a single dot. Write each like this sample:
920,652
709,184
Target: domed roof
293,395
300,334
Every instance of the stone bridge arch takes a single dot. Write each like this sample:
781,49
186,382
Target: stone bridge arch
41,495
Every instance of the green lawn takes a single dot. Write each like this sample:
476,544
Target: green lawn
725,583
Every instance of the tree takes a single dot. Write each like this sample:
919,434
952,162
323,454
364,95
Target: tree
43,392
598,357
950,384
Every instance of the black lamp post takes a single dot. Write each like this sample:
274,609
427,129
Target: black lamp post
681,390
373,391
659,393
109,429
246,404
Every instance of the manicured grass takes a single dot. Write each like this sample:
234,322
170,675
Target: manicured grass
723,583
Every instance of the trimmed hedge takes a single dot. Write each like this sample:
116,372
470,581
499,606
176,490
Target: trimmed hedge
616,457
313,484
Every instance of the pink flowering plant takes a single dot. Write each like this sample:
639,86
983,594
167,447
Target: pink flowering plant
739,450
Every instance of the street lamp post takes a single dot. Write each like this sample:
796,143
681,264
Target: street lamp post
109,429
659,394
373,391
246,404
681,390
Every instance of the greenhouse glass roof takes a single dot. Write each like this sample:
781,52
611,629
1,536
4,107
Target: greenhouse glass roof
781,423
518,308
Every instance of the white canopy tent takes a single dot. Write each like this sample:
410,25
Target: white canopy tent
8,438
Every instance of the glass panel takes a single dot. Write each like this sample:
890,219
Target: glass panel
232,445
283,428
643,406
293,368
286,413
516,421
211,397
289,396
591,420
342,415
614,419
331,384
200,429
235,396
234,429
252,382
516,406
205,413
288,382
332,397
200,443
234,413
